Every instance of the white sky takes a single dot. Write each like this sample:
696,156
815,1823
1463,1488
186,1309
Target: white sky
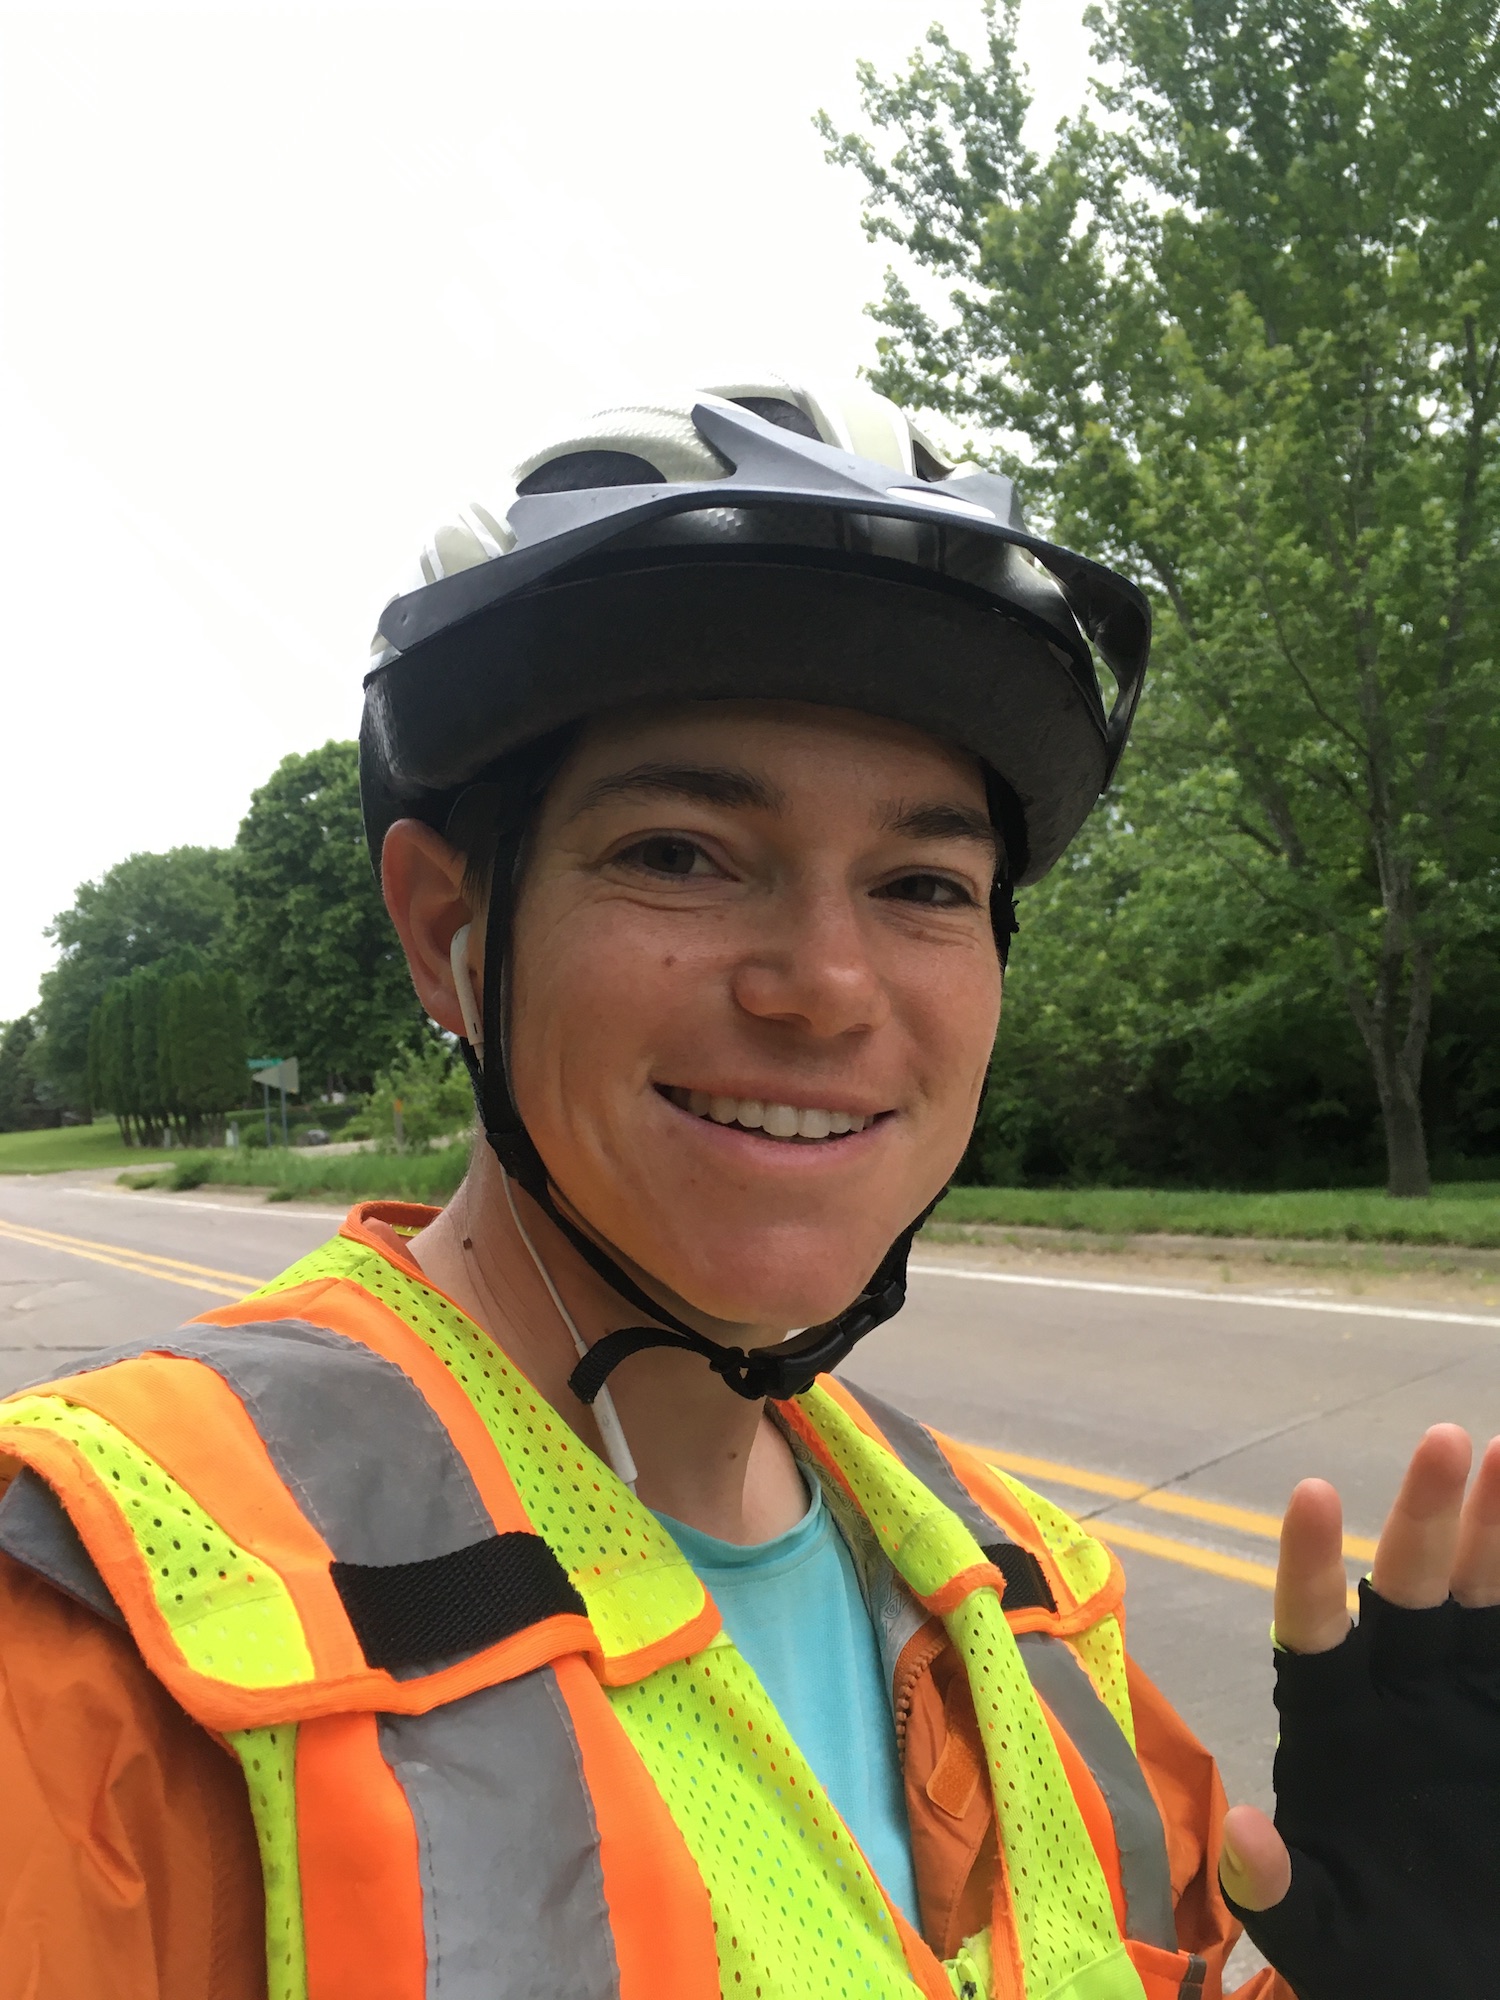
280,286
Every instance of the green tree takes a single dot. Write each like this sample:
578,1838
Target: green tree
166,1049
113,1070
137,913
203,1046
23,1107
1160,1027
323,972
142,1061
108,1040
1247,335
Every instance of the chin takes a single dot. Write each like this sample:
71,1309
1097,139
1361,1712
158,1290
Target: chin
769,1283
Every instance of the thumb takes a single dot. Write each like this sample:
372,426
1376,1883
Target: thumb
1255,1869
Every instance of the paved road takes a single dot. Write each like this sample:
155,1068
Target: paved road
1178,1422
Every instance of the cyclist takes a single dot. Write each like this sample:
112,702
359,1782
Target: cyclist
569,1626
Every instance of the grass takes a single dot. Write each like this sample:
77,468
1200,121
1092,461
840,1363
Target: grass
1459,1212
1465,1213
67,1146
429,1177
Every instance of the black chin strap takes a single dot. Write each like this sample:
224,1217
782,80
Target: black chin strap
777,1372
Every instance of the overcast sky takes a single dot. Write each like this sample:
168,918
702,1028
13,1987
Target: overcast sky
280,286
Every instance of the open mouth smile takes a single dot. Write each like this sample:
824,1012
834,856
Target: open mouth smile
791,1122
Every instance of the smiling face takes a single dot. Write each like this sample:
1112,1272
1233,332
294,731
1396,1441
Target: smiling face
754,994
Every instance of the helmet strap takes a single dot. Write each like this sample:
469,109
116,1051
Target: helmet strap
778,1372
508,1138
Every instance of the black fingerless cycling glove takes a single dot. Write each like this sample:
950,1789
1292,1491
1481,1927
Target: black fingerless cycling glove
1388,1797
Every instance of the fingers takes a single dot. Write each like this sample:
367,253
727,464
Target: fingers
1415,1555
1254,1866
1476,1567
1312,1591
1433,1542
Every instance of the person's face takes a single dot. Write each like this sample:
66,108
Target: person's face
733,913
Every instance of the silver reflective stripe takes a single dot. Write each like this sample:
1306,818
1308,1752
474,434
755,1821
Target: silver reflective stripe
353,1438
919,1452
512,1886
1144,1869
1068,1692
36,1531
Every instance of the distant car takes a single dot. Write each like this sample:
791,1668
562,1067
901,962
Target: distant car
313,1136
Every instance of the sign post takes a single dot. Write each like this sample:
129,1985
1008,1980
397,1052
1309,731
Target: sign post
276,1072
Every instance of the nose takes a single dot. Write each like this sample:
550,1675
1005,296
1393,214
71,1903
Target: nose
814,971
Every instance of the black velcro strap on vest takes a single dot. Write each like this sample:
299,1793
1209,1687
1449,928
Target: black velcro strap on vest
404,1614
1026,1586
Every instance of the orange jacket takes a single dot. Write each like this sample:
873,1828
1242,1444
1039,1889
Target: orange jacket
128,1861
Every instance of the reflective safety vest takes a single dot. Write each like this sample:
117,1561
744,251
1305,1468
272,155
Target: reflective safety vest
497,1743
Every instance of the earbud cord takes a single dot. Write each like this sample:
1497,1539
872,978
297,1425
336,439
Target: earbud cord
616,1450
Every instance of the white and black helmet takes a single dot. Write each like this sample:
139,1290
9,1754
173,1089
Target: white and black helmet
757,541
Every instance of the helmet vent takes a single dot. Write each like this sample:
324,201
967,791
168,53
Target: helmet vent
924,465
785,415
577,471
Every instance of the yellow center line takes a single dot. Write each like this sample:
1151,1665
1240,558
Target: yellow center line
1118,1535
1214,1513
1190,1555
130,1261
45,1237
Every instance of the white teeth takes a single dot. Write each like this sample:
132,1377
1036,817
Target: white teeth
780,1121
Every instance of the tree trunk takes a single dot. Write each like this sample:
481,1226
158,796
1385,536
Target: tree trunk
1407,1173
1398,1084
1396,1057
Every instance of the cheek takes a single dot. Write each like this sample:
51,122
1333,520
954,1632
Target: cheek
600,996
952,1015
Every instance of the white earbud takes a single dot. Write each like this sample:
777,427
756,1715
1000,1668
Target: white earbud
458,959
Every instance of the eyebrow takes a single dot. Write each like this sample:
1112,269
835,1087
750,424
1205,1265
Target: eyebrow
942,821
706,784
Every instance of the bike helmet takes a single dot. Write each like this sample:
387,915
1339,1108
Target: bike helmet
756,541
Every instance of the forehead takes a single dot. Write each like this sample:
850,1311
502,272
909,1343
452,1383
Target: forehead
788,742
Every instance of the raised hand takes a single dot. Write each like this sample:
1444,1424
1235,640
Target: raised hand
1381,1874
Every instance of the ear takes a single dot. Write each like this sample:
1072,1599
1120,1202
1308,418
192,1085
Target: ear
423,880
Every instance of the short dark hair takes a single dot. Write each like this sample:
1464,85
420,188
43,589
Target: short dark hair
497,809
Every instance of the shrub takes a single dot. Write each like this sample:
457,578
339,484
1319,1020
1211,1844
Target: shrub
432,1088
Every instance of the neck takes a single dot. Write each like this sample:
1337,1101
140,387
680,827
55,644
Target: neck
705,1455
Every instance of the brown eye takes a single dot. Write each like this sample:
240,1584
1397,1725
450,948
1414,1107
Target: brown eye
665,854
934,892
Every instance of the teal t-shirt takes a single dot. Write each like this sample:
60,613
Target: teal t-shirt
794,1609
